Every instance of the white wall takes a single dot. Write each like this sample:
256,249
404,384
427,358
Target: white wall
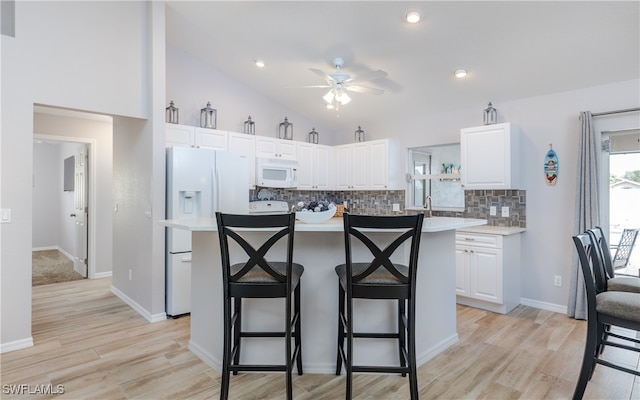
191,83
66,54
47,195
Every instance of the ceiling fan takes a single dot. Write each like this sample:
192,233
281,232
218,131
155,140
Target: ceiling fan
340,83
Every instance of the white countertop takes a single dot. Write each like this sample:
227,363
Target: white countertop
496,230
433,224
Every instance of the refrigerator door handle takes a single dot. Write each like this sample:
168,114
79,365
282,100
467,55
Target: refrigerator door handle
186,259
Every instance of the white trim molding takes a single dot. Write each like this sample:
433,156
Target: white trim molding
138,308
16,345
544,305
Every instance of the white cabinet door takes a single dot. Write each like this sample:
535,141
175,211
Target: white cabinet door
490,157
485,274
305,154
323,166
360,166
210,139
275,148
343,167
462,271
379,162
179,135
244,144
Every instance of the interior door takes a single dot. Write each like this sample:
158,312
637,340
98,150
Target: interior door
80,212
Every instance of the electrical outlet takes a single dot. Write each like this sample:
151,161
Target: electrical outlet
505,211
395,207
557,280
492,210
130,274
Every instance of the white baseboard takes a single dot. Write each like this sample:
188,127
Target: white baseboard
544,305
99,275
61,250
16,345
138,308
206,357
437,349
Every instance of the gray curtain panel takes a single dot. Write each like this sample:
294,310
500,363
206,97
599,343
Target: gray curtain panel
587,209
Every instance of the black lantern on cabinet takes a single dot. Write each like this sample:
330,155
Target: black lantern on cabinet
249,126
208,117
172,113
313,136
285,130
490,115
359,134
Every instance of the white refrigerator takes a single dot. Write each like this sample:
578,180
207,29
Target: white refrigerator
199,183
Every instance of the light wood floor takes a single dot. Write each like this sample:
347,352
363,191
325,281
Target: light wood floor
90,342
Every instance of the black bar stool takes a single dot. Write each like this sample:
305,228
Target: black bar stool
379,279
258,278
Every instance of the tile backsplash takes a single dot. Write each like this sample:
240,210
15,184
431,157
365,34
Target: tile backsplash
380,202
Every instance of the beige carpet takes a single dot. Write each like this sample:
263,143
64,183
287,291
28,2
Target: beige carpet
51,266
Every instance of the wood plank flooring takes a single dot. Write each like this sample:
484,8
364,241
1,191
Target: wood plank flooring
96,347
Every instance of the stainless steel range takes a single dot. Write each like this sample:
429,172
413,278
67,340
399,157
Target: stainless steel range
267,207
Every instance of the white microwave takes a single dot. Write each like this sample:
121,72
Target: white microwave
276,173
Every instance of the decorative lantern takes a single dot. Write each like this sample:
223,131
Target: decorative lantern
172,113
490,115
249,126
313,136
208,117
359,134
285,130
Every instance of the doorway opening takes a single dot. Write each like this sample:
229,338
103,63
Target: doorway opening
60,211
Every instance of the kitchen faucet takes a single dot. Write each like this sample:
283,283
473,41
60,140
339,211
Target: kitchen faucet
427,201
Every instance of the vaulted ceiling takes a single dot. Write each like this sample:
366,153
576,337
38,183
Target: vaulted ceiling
512,50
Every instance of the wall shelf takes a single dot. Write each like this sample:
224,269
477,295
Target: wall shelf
445,177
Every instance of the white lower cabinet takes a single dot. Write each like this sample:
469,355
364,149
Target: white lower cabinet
488,271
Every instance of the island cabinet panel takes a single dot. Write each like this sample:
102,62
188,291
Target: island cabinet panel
489,156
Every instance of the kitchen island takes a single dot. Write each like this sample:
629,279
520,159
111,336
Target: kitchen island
320,247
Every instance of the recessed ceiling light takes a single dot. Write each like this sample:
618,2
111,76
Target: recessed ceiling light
413,17
260,63
460,73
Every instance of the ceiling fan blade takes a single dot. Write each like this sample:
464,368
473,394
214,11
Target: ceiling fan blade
362,89
309,87
321,74
369,76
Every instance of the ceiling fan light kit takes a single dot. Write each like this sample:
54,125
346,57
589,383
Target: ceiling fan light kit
339,83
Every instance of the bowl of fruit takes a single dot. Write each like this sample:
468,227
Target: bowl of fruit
314,212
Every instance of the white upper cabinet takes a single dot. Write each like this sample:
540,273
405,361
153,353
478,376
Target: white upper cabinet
179,135
314,166
387,165
490,157
374,165
210,139
191,136
275,148
245,144
352,166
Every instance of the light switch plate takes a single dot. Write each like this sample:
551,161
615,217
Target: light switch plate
396,207
6,215
492,210
505,211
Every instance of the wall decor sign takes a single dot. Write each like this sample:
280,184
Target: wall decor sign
551,167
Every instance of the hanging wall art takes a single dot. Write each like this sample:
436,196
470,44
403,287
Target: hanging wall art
551,167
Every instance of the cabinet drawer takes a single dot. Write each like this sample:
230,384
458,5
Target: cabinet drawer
478,239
